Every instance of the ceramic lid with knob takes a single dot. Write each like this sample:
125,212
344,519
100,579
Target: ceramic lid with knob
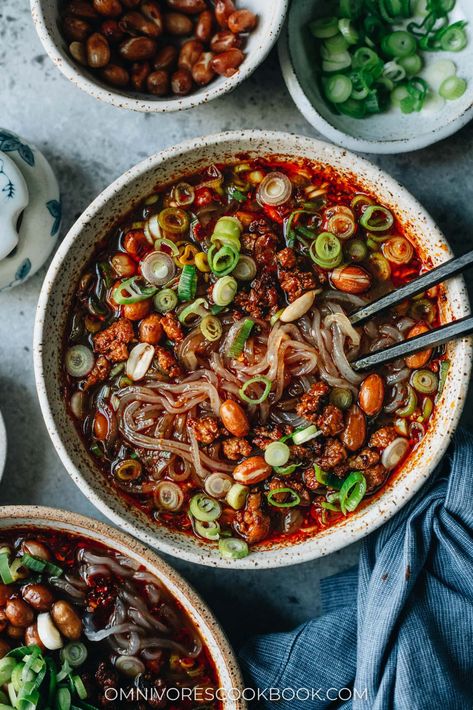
30,209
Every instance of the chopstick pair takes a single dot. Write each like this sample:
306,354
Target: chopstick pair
434,338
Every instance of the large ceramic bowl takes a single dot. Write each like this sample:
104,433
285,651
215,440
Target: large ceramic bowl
3,445
58,292
47,519
271,19
391,132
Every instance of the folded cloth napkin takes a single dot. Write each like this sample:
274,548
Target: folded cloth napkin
404,639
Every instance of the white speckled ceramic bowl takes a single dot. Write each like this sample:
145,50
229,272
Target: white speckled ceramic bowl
271,19
3,445
78,246
45,519
391,132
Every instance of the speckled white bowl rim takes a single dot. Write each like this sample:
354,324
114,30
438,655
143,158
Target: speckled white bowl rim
385,147
420,464
256,53
229,675
3,446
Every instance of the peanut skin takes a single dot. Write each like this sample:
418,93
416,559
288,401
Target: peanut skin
234,418
67,620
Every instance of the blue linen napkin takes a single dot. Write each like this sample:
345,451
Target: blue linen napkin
404,641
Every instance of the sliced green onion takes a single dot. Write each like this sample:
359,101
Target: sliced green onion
453,88
245,270
326,251
209,530
211,328
427,408
341,397
325,478
412,64
63,699
348,31
295,499
223,260
306,434
453,38
277,454
158,268
224,290
435,74
425,381
187,286
131,291
235,194
357,250
399,44
394,71
5,572
204,508
351,8
443,372
338,88
33,563
168,496
7,665
274,190
259,379
79,687
236,347
411,403
324,27
79,360
377,219
417,90
352,492
174,220
333,46
75,653
337,62
342,224
286,470
165,300
227,231
365,58
172,246
232,548
192,313
398,94
352,108
237,495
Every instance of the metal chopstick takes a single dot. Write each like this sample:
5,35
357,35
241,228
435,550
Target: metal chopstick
413,288
458,329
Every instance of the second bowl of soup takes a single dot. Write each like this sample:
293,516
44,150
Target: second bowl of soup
194,371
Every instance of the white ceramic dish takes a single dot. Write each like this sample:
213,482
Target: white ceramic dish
271,19
42,518
78,246
391,132
3,446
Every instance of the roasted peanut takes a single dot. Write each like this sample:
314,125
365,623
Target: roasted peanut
116,75
19,613
81,8
98,51
422,358
253,470
67,620
227,63
111,31
223,41
5,591
150,329
32,637
100,426
351,279
203,28
4,648
354,434
38,596
109,8
3,621
181,82
202,71
191,7
134,23
15,632
137,311
158,82
152,12
123,265
75,28
166,57
223,9
189,54
137,49
78,52
371,395
138,75
36,549
175,23
242,21
234,418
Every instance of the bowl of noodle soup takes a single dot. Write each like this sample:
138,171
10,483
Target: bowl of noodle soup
212,411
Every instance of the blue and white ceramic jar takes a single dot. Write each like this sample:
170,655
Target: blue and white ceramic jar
30,209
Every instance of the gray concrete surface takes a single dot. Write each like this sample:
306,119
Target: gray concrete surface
90,144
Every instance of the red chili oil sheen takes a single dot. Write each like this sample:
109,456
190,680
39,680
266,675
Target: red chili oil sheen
340,190
100,600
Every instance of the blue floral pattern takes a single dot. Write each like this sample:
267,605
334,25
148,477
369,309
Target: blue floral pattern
55,210
8,188
10,143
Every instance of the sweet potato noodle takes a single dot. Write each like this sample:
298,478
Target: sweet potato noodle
208,353
84,626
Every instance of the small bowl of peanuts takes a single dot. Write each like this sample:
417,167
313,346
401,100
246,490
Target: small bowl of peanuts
158,55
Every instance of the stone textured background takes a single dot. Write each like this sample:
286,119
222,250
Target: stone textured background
89,144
